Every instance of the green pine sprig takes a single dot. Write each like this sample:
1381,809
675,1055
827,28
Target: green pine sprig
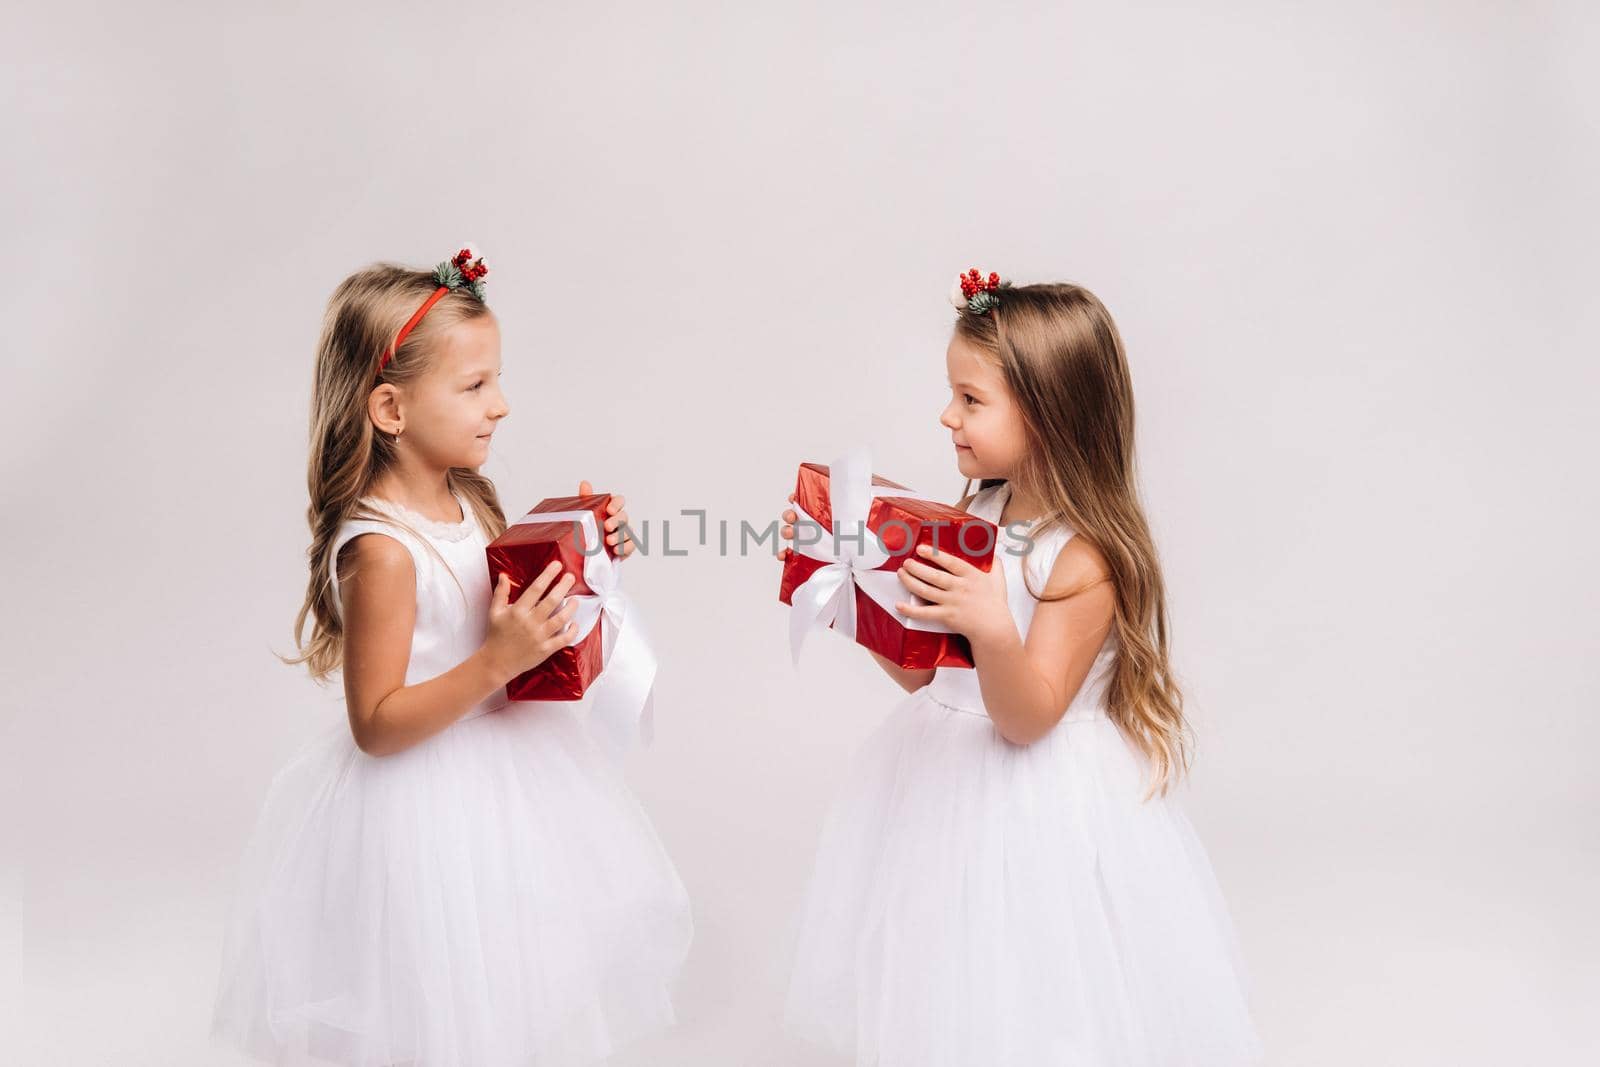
981,303
447,275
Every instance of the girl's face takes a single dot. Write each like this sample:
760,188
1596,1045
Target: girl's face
453,407
985,423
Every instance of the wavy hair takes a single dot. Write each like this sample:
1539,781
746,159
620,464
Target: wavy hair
1064,362
347,452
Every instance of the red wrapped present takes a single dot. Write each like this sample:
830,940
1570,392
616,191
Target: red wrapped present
551,531
609,654
848,583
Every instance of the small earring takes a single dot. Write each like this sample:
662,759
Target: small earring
397,437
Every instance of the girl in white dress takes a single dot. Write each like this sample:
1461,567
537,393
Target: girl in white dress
1008,879
447,879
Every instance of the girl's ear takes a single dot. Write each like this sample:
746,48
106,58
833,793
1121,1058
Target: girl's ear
383,408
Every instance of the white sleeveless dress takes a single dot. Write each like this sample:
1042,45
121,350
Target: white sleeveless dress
977,903
492,896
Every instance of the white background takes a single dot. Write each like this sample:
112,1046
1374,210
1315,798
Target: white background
1352,250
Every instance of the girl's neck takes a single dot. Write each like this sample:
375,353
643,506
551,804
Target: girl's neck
1022,505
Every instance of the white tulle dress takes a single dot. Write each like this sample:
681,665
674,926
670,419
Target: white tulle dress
977,903
494,895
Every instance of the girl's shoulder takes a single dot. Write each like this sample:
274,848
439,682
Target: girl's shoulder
374,516
395,538
398,524
1068,563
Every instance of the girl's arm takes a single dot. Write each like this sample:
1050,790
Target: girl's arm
379,601
909,680
1026,687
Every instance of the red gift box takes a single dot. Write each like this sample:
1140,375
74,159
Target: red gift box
901,521
522,552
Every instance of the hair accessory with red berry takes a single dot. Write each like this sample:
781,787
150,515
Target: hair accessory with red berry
463,272
975,293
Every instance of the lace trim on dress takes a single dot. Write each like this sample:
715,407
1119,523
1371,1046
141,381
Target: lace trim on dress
444,531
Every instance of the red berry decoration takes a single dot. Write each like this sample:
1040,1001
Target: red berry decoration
977,292
462,272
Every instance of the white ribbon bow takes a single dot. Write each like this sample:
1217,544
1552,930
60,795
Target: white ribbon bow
828,597
623,696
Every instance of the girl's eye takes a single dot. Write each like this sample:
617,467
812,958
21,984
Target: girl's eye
477,385
968,397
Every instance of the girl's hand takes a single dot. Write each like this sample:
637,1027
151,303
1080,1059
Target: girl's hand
525,633
790,517
969,601
615,533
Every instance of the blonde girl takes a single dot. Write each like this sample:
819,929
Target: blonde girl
444,879
1008,878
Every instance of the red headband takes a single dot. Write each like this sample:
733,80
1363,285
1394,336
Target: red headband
410,325
459,272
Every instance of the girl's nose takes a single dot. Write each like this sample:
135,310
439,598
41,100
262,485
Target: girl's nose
948,419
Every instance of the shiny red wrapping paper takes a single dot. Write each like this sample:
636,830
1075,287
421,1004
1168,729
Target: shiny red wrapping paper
522,552
940,525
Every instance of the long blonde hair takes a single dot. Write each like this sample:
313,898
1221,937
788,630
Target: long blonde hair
347,452
1063,361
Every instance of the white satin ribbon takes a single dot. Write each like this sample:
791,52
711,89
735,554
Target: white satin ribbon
828,597
622,704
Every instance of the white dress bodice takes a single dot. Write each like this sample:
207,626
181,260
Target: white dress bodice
453,588
957,687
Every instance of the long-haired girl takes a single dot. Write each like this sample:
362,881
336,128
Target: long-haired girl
446,880
1008,878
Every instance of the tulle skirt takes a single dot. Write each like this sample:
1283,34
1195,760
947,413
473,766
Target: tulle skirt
980,904
492,896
